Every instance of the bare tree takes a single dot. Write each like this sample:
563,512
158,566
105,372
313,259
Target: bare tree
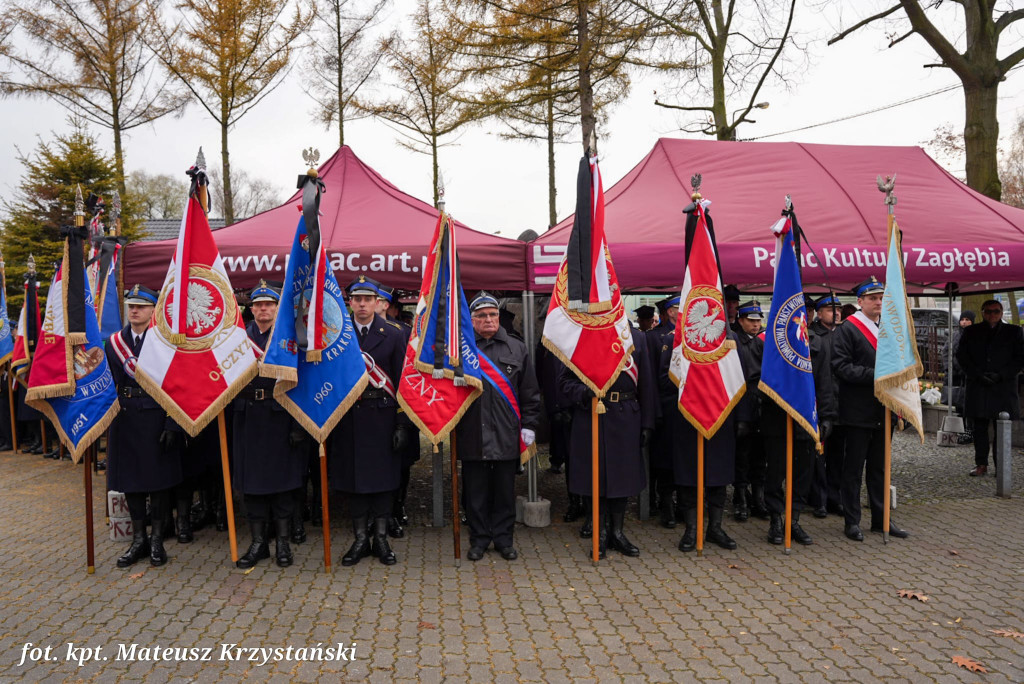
230,54
1011,168
740,46
977,65
251,195
157,196
90,57
341,63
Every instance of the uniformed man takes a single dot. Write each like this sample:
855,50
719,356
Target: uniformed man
860,413
644,317
750,457
731,294
144,451
269,448
364,451
828,468
663,489
488,435
626,426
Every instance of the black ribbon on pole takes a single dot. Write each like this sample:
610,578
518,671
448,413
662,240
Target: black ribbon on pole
800,238
577,256
198,176
31,312
74,283
312,187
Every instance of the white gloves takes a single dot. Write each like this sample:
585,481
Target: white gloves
529,436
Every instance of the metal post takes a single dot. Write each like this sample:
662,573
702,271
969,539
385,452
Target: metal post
438,480
1003,456
529,336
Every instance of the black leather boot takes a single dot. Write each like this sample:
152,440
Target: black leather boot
258,549
616,539
220,512
666,507
157,554
575,509
587,529
798,533
602,535
775,530
184,521
689,540
395,529
715,533
298,526
139,548
380,542
399,509
202,513
758,509
361,546
741,509
283,552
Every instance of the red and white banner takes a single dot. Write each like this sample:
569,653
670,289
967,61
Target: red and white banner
705,363
52,372
197,355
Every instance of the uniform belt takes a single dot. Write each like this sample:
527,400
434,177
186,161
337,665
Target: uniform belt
257,394
130,392
373,393
615,397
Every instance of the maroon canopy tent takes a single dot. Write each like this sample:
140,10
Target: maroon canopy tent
951,233
368,225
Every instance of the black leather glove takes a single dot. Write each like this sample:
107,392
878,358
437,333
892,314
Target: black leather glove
825,429
169,440
399,439
563,417
646,436
744,429
296,436
990,378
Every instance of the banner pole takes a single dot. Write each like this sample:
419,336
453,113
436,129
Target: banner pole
42,435
788,519
595,483
90,547
700,495
888,476
456,522
229,504
325,509
13,388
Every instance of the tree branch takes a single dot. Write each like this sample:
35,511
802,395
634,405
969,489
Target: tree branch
859,24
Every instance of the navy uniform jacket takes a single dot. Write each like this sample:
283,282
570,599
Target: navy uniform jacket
360,455
751,350
719,451
264,461
1000,350
411,453
620,461
853,362
489,430
135,460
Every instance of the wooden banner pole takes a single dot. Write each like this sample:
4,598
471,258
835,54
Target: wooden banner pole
595,483
888,476
788,519
13,399
456,520
90,548
700,495
325,509
229,504
42,436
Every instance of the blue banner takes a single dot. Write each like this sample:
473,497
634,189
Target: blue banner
6,334
786,373
110,312
316,393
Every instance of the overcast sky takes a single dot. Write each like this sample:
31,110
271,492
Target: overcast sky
501,186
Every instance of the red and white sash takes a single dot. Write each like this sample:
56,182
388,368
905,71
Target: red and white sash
867,326
631,369
124,354
378,378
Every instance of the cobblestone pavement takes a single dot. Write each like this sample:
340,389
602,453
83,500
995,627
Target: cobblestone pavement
829,612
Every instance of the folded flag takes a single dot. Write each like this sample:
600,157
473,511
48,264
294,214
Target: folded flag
27,333
786,373
313,351
705,363
897,365
586,326
197,355
108,303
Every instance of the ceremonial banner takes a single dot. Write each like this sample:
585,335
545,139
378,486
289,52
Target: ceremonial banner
786,373
705,364
108,303
897,365
443,371
70,382
26,333
6,336
197,354
586,326
312,317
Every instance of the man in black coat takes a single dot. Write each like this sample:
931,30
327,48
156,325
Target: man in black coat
991,354
365,449
860,413
773,427
269,454
488,435
750,457
828,469
144,450
623,429
663,488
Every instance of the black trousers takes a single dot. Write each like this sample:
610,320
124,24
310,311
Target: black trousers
714,497
559,446
266,507
865,448
159,503
371,506
835,448
750,460
803,473
489,490
984,441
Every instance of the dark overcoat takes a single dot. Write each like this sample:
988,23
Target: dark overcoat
987,349
264,460
135,460
661,446
719,451
620,461
489,431
751,350
411,453
773,418
853,362
361,459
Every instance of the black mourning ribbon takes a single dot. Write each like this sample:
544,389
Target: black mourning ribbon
31,310
198,176
74,280
691,229
799,239
312,187
577,256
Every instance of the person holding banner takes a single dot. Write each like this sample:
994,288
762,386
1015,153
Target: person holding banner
492,432
751,462
364,451
829,467
269,458
145,445
860,412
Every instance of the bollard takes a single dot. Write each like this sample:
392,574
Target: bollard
1003,456
438,467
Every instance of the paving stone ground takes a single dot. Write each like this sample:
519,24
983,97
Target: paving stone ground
829,612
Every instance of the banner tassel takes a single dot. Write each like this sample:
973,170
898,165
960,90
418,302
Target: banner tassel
314,355
600,407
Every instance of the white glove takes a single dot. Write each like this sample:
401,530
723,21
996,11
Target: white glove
529,436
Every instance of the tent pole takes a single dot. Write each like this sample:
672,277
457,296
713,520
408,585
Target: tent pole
529,336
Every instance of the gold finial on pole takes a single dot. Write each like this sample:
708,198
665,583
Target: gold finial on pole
440,191
887,186
695,181
79,207
31,265
312,157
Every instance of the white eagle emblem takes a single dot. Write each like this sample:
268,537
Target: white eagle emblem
201,313
703,326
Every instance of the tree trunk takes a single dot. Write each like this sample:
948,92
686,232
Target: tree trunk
341,82
981,139
552,190
723,131
587,118
433,157
225,163
118,156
